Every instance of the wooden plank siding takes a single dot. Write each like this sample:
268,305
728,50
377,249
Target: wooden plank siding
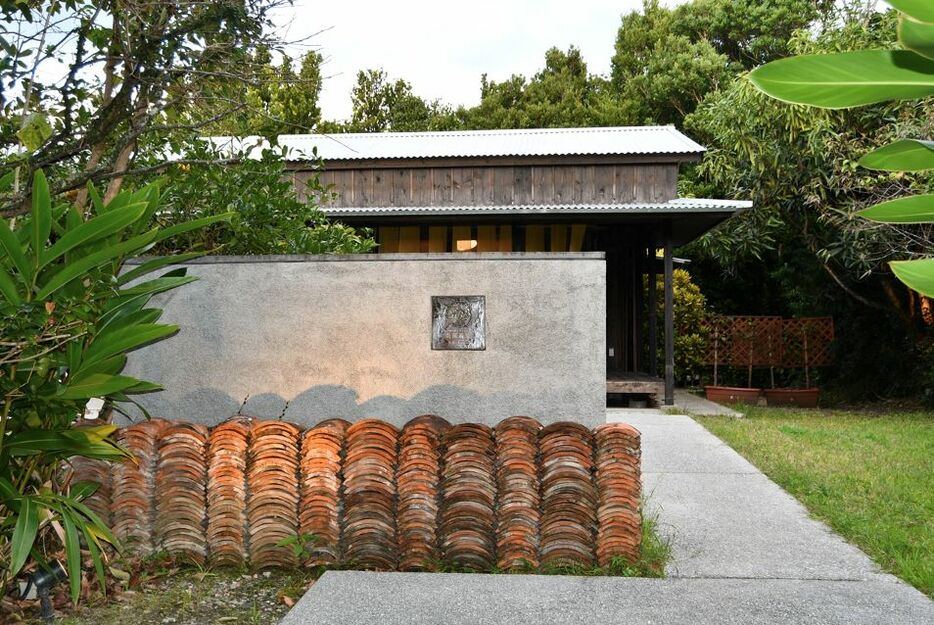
497,185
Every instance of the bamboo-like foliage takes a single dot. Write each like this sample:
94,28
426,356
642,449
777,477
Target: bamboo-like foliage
70,314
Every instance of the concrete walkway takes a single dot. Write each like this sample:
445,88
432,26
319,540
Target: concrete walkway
743,552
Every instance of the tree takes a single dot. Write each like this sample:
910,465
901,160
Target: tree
276,100
803,245
667,60
562,94
381,104
853,79
131,76
748,32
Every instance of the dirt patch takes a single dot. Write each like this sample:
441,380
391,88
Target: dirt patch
181,597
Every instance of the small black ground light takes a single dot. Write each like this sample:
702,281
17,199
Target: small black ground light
40,583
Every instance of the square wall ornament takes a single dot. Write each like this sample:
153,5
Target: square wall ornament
458,322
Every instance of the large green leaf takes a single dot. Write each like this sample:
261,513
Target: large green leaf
917,36
903,155
123,339
917,274
914,209
847,79
156,263
88,442
97,385
14,250
96,228
41,214
921,10
24,534
79,268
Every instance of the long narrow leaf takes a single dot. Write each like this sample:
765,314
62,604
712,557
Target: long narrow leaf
41,214
917,36
916,274
95,551
24,534
157,285
79,268
8,288
72,555
122,340
915,209
921,10
194,224
903,155
14,250
847,79
156,263
97,385
96,228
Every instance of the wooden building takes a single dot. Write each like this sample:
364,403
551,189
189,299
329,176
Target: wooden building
612,190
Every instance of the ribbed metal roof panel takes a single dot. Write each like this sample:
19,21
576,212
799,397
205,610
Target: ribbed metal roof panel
622,140
681,205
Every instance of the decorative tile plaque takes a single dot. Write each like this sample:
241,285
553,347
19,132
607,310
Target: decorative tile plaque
458,322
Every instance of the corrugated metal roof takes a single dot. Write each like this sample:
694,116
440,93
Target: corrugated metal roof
679,206
623,140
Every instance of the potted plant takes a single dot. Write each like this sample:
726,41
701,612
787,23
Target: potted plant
806,343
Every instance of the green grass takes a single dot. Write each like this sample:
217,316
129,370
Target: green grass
869,476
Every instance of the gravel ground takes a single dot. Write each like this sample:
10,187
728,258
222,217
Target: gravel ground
200,598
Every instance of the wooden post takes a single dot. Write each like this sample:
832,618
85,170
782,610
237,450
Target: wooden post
669,323
653,311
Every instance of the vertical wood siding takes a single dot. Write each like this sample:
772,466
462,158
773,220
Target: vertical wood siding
510,185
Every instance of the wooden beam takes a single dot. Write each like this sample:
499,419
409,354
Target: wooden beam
669,323
653,310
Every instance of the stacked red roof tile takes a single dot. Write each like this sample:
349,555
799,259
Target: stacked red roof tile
369,495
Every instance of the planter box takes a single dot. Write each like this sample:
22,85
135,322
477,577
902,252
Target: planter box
733,394
801,397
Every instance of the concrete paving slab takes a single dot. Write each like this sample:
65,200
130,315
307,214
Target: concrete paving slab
695,404
725,519
361,598
678,444
743,525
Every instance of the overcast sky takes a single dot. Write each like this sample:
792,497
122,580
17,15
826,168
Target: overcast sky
442,48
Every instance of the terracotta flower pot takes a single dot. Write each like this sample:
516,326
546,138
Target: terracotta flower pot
733,394
801,397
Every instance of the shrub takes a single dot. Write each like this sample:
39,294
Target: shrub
267,216
690,310
69,316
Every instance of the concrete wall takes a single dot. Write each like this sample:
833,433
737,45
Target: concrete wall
308,338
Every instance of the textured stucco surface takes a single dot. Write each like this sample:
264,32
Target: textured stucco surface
351,337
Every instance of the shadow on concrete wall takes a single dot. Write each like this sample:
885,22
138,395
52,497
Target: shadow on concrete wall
211,406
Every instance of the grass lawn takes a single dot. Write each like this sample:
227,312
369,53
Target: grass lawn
869,476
